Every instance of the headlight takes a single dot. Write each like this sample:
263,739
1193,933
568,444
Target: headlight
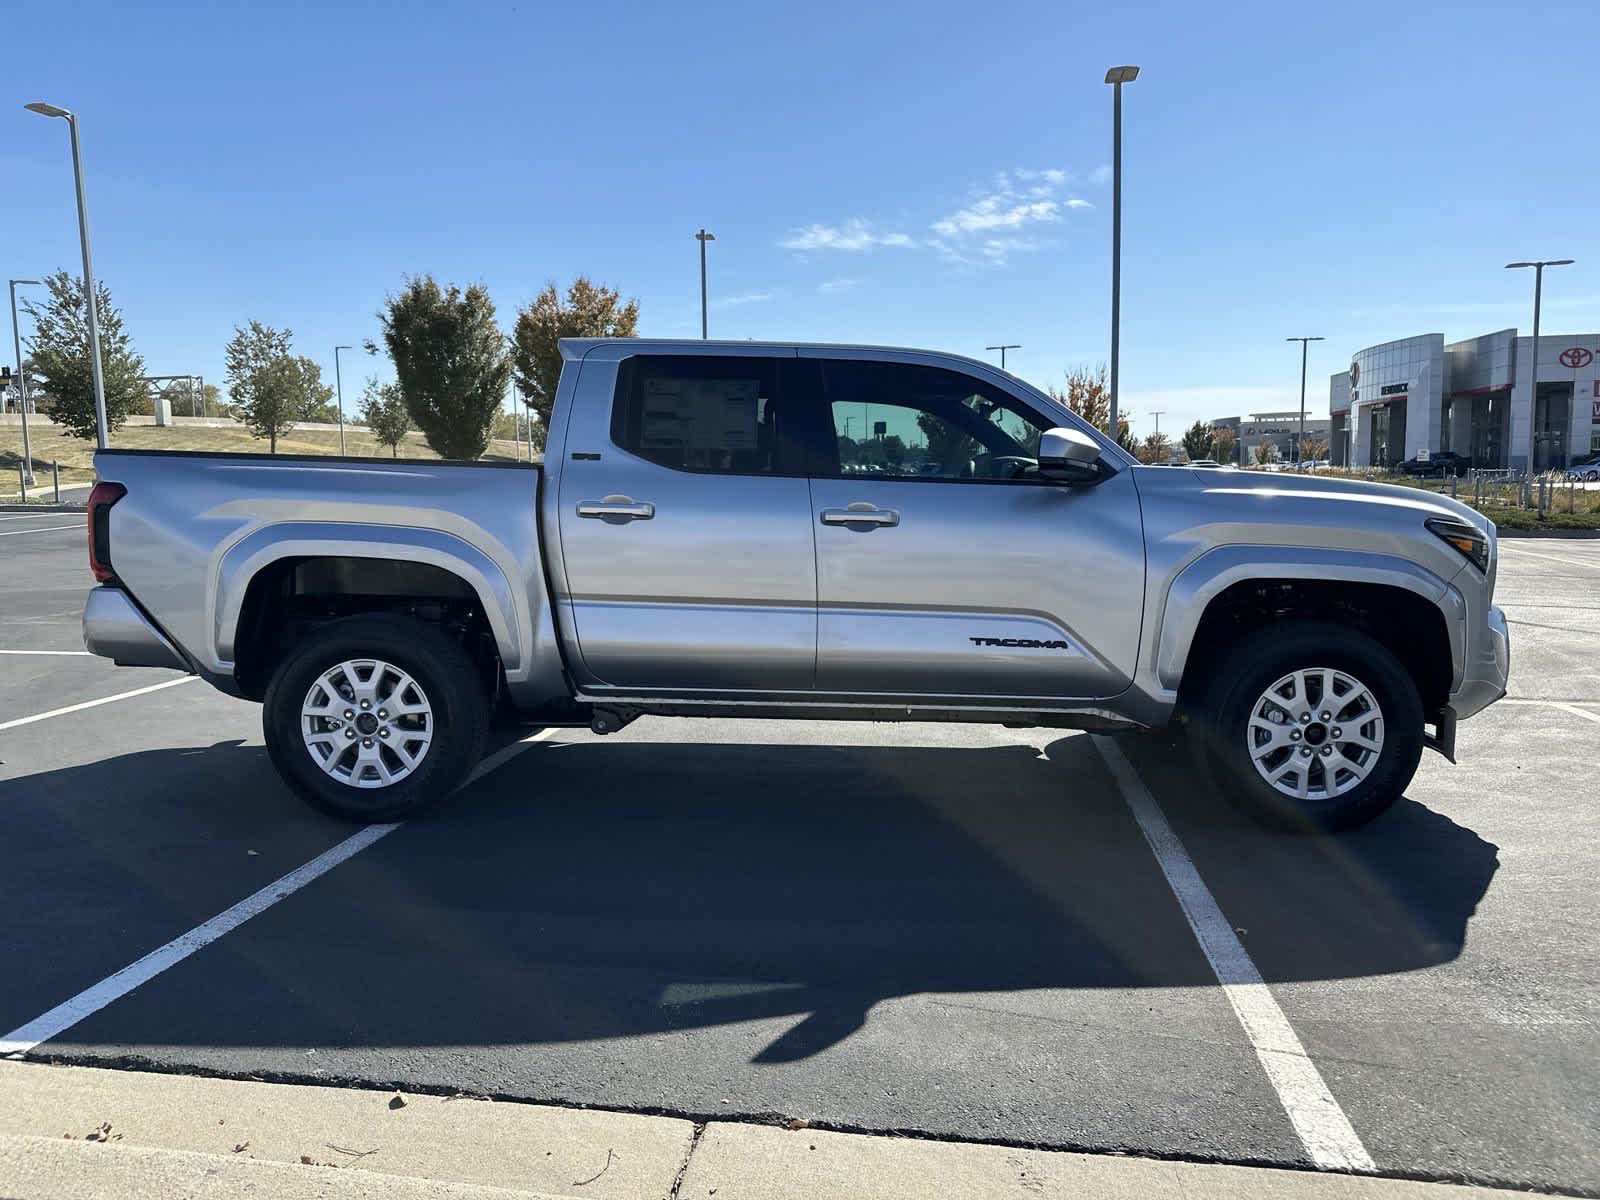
1468,539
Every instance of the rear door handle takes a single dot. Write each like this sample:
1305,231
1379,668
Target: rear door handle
860,513
617,510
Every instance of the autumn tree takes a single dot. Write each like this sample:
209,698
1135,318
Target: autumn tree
1313,448
451,362
383,410
58,363
1264,451
1154,448
1088,394
1197,441
1223,443
590,310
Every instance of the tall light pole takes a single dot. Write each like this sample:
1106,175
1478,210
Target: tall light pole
51,110
1116,76
1533,382
1003,349
1304,345
338,388
22,380
703,237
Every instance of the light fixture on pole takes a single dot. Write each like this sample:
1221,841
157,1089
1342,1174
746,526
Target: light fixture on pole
22,380
1116,76
703,237
1533,366
1003,349
1300,441
338,390
52,110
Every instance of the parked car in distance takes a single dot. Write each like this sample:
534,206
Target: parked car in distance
1439,464
1587,472
1209,464
693,546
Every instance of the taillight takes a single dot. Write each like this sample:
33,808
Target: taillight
101,497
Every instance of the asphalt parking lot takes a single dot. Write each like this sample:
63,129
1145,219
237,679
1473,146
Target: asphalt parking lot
958,931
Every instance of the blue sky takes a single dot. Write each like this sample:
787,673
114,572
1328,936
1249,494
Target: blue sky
928,174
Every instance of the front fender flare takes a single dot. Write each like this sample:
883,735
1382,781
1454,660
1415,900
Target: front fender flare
1211,574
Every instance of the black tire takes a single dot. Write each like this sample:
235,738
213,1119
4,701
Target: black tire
1243,675
450,686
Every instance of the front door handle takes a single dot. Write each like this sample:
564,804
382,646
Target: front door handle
617,510
860,514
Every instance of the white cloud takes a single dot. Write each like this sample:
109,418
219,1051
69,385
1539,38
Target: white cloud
742,298
854,234
1101,174
1014,201
829,286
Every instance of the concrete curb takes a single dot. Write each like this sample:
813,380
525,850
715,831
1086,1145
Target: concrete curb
1574,534
84,1133
41,509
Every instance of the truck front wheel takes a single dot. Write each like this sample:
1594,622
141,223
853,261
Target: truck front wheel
371,718
1313,726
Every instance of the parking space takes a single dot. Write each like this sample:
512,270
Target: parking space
954,930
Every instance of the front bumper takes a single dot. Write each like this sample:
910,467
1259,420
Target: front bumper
1488,666
114,628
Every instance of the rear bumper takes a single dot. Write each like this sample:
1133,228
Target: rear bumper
114,628
1488,666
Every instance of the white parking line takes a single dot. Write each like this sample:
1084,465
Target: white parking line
1319,1122
92,999
72,708
50,529
39,516
1563,706
1519,552
51,653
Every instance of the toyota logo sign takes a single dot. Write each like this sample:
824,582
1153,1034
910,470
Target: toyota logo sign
1575,357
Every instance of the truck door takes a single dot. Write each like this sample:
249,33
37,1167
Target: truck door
945,566
685,518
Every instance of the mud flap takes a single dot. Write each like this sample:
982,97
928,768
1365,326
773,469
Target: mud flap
1443,737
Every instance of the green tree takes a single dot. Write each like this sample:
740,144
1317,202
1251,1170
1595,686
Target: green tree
267,384
58,363
314,399
383,410
1223,443
451,362
590,310
1197,441
1089,395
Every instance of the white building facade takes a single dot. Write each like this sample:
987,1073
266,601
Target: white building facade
1472,397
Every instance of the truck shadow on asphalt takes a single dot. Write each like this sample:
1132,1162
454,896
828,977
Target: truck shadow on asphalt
594,890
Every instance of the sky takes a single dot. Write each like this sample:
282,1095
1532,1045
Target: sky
928,174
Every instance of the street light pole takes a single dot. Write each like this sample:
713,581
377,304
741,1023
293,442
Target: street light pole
1003,349
22,380
51,110
1304,346
703,237
1533,367
1116,76
338,387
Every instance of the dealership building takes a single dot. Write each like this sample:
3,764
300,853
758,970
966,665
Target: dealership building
1472,397
1277,431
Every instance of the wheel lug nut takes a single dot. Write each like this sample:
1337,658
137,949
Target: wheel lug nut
1305,751
1305,718
349,733
383,715
366,704
367,742
1294,735
1327,751
1337,732
1325,716
383,732
349,714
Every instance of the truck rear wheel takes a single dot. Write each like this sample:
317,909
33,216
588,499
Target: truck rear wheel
1313,726
372,718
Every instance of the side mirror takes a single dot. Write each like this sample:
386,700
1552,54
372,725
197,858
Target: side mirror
1068,456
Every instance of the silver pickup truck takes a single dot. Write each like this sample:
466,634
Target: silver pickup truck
738,530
